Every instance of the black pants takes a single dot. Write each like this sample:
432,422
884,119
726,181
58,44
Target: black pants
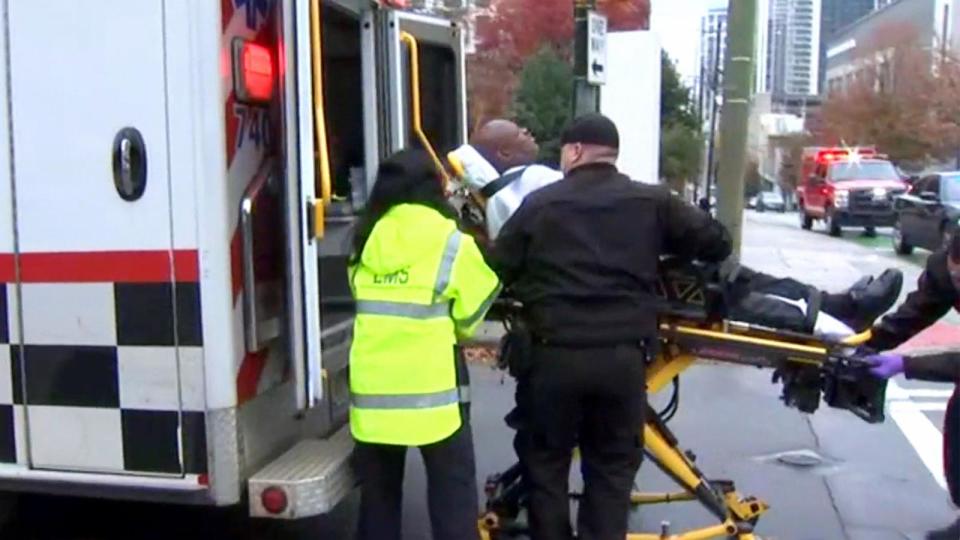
751,303
451,488
592,398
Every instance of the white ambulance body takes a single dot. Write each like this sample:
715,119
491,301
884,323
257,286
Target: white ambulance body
175,321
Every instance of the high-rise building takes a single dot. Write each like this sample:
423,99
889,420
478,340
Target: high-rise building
712,23
793,53
761,82
853,50
776,46
803,48
717,17
836,15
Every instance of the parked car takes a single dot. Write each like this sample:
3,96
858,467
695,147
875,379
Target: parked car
927,215
770,200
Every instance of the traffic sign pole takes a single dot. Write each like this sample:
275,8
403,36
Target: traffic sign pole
586,95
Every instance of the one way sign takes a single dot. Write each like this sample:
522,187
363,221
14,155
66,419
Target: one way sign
596,48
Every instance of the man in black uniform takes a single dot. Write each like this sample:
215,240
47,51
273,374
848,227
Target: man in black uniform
938,290
581,255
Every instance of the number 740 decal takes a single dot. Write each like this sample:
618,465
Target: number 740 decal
253,125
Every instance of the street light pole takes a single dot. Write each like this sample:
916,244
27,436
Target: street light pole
738,79
586,96
714,104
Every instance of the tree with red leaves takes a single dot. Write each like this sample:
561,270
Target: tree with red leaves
905,99
514,30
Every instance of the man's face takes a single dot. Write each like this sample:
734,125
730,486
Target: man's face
518,147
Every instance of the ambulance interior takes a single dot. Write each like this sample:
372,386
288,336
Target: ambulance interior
440,101
344,106
344,115
352,170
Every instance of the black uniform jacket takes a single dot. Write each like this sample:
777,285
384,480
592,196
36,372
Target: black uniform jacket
582,254
934,297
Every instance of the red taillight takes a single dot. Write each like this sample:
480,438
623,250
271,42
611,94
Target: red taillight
252,71
274,500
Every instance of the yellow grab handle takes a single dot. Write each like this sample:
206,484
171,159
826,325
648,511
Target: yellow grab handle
411,42
859,339
319,114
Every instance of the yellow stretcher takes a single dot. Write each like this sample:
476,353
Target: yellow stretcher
693,328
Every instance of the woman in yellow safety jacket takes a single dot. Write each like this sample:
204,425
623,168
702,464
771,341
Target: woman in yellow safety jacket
420,285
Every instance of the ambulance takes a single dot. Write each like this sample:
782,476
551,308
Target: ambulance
180,183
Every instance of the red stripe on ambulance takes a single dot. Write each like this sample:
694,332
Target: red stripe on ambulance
102,267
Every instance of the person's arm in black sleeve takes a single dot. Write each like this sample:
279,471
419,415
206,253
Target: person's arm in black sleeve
510,248
935,366
692,234
932,300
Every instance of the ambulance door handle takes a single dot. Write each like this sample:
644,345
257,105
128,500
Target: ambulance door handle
248,207
129,164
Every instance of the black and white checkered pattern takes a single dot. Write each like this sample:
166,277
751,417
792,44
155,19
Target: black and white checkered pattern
105,377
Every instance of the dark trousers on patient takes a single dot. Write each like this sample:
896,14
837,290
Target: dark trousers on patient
451,488
592,398
750,290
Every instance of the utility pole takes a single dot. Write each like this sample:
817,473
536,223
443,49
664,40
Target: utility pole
586,96
738,79
700,120
714,105
701,83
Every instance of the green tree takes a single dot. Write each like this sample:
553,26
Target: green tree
676,105
681,149
681,145
542,103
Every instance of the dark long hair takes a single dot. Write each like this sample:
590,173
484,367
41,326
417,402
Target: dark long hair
406,177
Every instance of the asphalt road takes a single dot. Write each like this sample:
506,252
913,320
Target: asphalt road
875,482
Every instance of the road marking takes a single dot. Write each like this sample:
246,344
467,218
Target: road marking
938,406
927,393
926,439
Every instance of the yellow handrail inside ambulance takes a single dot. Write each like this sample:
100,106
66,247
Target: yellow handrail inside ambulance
412,44
320,121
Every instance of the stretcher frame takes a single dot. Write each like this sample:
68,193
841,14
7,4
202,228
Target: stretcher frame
683,342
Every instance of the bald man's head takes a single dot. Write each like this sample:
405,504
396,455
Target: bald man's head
505,144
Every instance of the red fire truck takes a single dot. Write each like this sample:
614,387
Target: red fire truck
847,187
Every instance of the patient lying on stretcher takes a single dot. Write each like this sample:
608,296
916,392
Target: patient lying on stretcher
752,297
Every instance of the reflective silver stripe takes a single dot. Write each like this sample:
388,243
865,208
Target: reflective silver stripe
446,264
402,309
484,307
406,401
464,394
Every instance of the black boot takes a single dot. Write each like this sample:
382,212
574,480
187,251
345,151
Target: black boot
868,299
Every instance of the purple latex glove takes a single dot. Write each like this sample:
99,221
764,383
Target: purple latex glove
885,366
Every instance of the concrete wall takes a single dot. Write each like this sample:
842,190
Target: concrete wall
631,98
